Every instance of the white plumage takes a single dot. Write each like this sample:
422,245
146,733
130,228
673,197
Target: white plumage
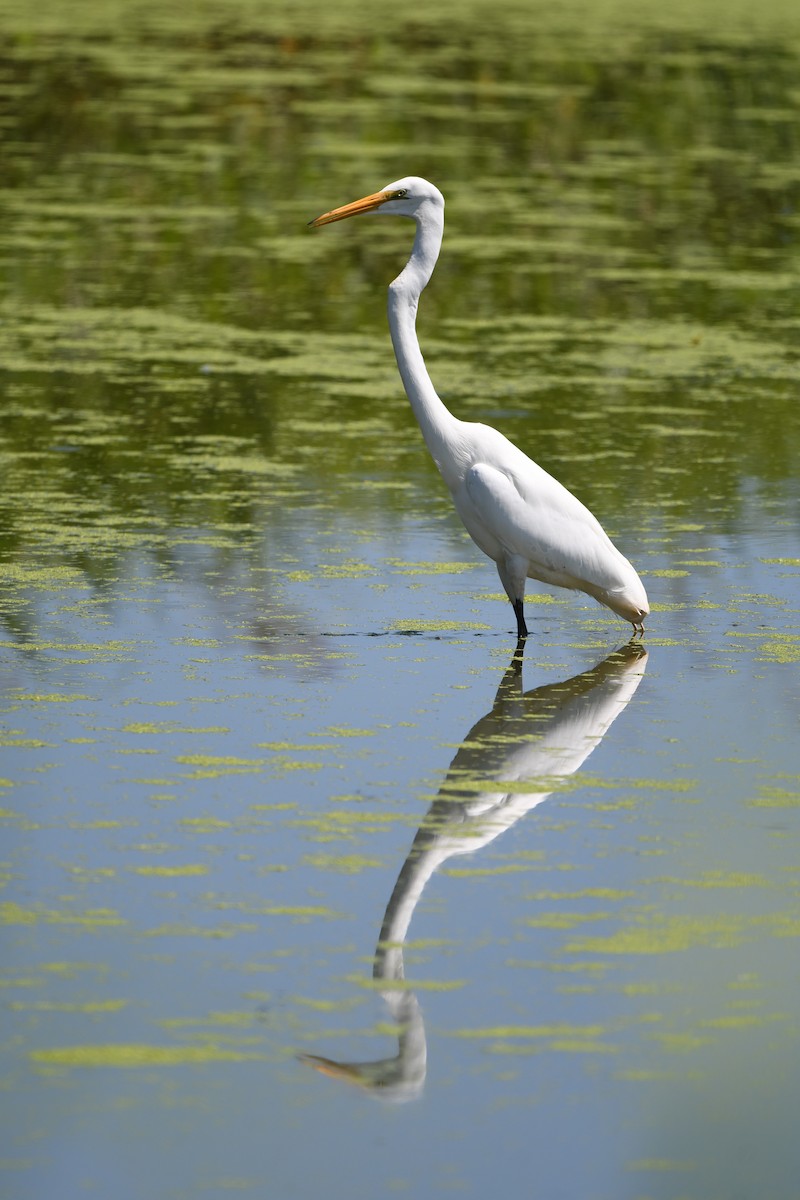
517,514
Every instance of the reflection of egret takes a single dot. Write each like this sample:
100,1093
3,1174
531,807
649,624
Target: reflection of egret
525,520
510,761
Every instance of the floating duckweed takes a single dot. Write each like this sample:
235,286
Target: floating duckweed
347,731
665,937
138,1055
566,920
576,1046
42,577
24,743
92,873
88,1007
297,747
407,985
399,567
93,918
345,826
303,911
197,931
205,824
173,872
481,872
682,1043
737,1021
346,864
579,1033
344,1005
171,727
721,879
242,1020
786,650
599,893
215,766
775,797
100,823
347,570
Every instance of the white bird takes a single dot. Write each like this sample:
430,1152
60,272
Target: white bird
517,514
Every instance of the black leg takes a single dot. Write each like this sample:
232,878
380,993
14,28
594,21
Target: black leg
522,628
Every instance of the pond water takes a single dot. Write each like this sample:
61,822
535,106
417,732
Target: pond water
311,883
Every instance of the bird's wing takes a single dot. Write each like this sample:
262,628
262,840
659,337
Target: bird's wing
547,525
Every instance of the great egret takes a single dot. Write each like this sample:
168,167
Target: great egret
517,514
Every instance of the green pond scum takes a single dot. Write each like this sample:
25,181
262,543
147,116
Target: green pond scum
261,712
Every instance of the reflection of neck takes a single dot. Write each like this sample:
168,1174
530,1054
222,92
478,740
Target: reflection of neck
430,849
412,1049
415,873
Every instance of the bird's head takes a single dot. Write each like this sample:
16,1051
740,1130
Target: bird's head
404,198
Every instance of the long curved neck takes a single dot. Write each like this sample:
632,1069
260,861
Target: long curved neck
438,425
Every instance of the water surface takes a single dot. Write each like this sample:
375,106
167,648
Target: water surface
277,794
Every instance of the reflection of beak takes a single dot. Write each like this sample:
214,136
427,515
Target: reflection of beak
337,1070
365,204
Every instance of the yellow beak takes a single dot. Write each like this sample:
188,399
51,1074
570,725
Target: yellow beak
327,1066
365,204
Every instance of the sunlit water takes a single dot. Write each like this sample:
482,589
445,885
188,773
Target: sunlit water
311,885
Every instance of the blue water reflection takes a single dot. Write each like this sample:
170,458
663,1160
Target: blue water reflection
510,761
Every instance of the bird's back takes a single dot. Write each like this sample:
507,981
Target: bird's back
513,508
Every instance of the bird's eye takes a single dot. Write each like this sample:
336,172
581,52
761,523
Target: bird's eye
400,193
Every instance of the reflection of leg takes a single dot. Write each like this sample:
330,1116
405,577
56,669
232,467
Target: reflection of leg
522,628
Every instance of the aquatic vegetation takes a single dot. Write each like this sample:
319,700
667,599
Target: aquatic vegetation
133,1055
243,637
